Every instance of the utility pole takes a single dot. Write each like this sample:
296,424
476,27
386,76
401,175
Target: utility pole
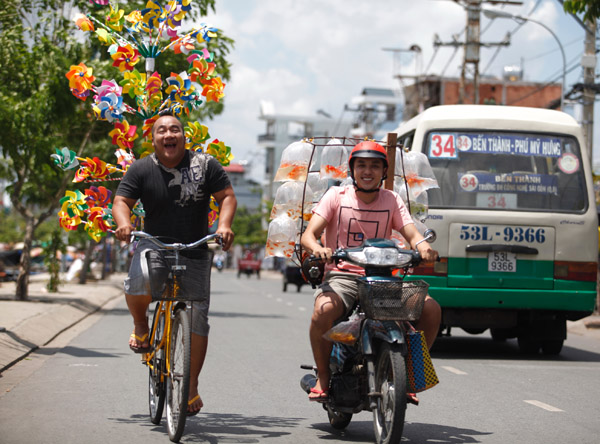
473,44
588,63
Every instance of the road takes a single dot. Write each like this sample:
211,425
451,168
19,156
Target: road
87,386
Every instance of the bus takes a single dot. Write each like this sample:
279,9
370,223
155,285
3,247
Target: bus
515,218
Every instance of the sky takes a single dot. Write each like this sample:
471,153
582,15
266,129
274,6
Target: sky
305,55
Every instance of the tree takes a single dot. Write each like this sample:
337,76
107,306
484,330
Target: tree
589,8
38,113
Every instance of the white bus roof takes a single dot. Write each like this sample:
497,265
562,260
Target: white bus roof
493,117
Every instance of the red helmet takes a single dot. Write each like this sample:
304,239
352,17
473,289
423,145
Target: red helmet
367,149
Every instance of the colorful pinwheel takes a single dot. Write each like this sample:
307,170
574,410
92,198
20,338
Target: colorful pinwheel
125,58
220,151
94,169
80,80
124,158
97,197
123,135
196,134
109,107
115,19
65,159
213,89
84,23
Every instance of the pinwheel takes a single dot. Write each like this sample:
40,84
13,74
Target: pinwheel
93,168
123,135
84,23
105,37
99,2
152,14
110,107
196,134
180,91
97,197
68,223
154,93
98,223
115,19
220,151
174,14
133,83
73,203
125,58
183,46
206,32
107,87
136,22
213,89
201,70
124,158
80,80
65,159
213,214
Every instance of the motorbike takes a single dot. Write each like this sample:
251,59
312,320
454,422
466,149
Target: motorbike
367,362
219,263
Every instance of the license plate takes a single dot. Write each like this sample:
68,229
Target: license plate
502,261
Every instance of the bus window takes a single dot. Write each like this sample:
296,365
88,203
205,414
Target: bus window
506,171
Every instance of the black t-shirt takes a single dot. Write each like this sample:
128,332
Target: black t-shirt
176,200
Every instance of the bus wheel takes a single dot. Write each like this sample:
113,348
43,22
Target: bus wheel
552,346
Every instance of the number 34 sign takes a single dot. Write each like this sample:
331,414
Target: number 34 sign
444,146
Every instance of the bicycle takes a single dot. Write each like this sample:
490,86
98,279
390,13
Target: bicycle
170,335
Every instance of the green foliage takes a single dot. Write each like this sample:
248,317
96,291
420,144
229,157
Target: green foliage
248,228
589,8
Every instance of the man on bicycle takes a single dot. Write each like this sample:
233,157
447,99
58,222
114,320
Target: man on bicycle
348,216
174,186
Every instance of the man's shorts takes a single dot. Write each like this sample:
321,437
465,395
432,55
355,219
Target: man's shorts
196,277
342,284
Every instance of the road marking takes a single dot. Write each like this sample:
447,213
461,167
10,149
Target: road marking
543,406
453,370
279,300
289,304
301,308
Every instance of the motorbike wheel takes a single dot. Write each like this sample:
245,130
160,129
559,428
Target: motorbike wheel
390,381
338,420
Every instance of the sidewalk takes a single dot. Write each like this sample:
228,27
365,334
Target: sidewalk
27,325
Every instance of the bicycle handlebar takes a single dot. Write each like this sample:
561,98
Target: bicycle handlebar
176,245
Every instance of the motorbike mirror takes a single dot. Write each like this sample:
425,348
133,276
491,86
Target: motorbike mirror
430,235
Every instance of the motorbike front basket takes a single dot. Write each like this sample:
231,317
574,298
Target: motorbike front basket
391,299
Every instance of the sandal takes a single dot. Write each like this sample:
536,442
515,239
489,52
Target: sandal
411,398
323,395
140,340
190,402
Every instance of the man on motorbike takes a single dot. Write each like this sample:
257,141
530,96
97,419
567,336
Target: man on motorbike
347,216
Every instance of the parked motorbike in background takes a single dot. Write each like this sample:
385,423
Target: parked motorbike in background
367,362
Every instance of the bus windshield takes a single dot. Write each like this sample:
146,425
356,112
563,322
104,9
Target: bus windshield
501,170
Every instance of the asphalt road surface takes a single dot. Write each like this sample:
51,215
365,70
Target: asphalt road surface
87,387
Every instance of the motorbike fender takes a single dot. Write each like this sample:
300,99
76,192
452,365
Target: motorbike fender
387,331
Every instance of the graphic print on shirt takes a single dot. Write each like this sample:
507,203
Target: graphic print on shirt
362,225
189,179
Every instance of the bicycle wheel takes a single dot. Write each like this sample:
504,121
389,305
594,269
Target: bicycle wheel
178,382
157,370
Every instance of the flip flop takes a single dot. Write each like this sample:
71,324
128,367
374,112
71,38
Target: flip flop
190,402
140,340
323,395
411,398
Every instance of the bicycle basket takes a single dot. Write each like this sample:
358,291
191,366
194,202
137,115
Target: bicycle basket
391,299
158,272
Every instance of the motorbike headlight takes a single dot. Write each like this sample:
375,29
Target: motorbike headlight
383,257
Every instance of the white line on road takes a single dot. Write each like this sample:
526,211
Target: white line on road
453,370
543,406
301,308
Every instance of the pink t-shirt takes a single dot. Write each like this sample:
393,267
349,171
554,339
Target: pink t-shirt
350,221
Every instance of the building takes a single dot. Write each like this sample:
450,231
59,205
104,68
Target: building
247,191
283,129
432,90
